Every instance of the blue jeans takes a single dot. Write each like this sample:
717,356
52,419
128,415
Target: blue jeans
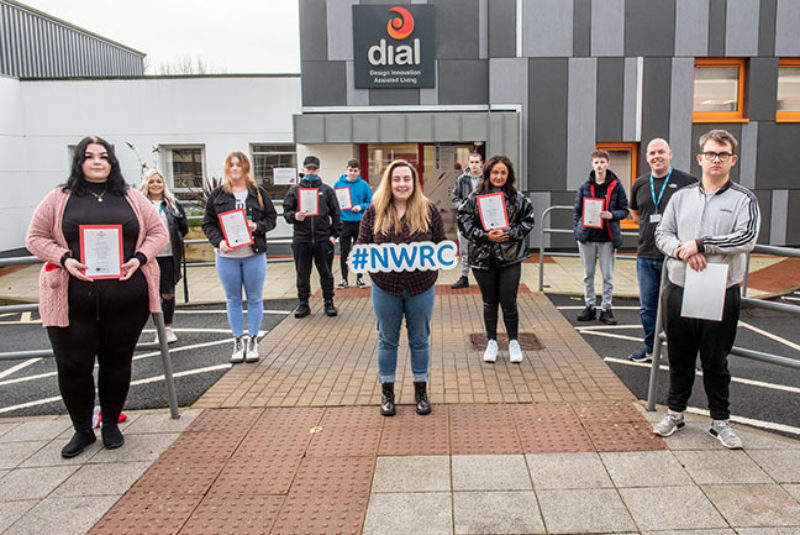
250,272
648,271
389,311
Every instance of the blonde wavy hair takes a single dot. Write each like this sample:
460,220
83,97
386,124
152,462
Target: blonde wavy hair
143,187
244,161
417,213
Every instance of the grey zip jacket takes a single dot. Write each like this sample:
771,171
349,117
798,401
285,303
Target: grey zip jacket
725,227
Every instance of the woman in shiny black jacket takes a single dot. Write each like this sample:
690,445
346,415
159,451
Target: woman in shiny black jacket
495,255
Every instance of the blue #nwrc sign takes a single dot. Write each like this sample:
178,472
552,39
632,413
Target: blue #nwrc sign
417,256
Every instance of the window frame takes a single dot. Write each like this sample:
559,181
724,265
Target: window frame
273,189
167,166
633,147
721,116
787,116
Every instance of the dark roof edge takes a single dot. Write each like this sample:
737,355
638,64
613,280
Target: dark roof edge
157,77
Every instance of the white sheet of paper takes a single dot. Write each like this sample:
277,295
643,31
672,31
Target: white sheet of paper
309,200
591,213
284,176
343,196
101,252
704,292
493,213
235,228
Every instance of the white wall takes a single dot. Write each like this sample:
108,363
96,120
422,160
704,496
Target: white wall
19,198
333,158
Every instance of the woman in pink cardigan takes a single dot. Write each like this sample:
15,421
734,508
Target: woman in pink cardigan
90,317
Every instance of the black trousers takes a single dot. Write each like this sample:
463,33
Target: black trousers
346,241
500,286
105,320
712,339
320,254
167,266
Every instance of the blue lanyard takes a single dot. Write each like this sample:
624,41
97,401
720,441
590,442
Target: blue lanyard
656,202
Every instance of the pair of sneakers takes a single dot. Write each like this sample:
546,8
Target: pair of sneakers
514,351
720,429
359,282
245,349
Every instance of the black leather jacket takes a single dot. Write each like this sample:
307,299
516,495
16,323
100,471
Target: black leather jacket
178,228
265,218
485,254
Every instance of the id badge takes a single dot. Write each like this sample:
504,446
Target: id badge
655,218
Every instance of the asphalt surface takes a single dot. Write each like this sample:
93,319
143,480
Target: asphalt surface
767,394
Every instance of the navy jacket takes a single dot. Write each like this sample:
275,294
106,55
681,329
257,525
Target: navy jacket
616,203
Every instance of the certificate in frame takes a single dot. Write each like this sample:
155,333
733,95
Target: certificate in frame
235,228
590,208
490,213
344,198
304,203
98,260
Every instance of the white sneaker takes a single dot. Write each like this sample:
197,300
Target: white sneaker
514,351
252,349
171,336
238,350
490,355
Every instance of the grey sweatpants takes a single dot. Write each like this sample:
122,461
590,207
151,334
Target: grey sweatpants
593,252
463,249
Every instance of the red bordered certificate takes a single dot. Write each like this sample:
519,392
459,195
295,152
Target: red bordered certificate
308,200
344,198
101,250
235,229
591,212
492,209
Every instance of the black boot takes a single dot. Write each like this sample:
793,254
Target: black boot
387,399
112,437
421,397
462,282
78,442
330,310
303,309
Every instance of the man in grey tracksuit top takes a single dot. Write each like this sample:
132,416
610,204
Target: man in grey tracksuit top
713,221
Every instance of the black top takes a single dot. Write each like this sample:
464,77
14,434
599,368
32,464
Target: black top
642,201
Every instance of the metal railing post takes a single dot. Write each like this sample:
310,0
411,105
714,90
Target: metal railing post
652,384
158,319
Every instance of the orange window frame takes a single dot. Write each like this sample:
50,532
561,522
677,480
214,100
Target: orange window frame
788,116
723,116
629,223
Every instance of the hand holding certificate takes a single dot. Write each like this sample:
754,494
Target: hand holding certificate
343,196
492,210
308,201
101,250
235,228
592,210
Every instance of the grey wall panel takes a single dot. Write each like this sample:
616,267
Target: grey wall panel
502,28
355,97
655,101
511,146
339,29
483,29
313,30
429,96
766,27
508,80
562,218
547,28
456,19
698,129
463,81
762,88
777,155
608,21
630,108
642,36
765,207
393,97
338,128
717,11
582,28
365,128
741,28
474,126
324,83
748,152
787,36
420,126
309,128
541,201
495,143
392,128
547,123
793,221
691,27
610,81
581,117
779,217
680,120
446,127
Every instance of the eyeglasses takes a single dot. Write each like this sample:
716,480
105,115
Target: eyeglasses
723,156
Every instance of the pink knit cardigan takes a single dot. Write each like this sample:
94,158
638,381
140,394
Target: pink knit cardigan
45,239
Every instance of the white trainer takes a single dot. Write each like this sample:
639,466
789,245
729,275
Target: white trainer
171,336
514,351
490,355
252,349
238,350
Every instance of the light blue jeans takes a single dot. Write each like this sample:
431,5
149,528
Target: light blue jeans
389,311
593,253
248,272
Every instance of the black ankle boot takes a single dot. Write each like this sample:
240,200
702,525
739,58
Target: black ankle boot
78,442
330,310
112,436
387,399
421,397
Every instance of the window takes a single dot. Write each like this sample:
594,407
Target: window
184,165
788,90
624,164
718,90
268,157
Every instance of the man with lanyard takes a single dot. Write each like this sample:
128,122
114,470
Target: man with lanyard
646,208
465,185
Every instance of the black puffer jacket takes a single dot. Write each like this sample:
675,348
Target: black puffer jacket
264,217
485,254
178,228
317,228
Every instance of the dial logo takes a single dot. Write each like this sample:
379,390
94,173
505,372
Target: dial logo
400,27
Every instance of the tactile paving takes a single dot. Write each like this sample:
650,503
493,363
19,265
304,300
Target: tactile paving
257,474
607,411
351,291
352,417
554,437
225,420
146,513
285,419
407,433
480,415
479,429
623,436
237,514
340,440
168,477
202,447
543,412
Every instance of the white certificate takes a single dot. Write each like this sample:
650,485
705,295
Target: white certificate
492,209
308,200
235,228
284,176
704,292
343,196
591,212
101,250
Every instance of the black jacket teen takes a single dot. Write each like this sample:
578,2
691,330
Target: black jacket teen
318,228
263,215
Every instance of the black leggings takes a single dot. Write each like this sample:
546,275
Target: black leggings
105,320
346,241
500,285
167,266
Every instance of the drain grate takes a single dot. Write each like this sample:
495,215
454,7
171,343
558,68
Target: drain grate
527,341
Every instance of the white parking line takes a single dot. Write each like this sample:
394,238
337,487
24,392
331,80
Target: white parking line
18,367
581,307
607,327
769,335
609,335
281,312
751,421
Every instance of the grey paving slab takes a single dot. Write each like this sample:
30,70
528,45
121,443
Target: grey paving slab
693,437
36,430
427,513
494,513
792,489
584,511
724,531
101,479
33,483
412,474
781,465
768,531
137,448
162,423
73,516
754,440
645,469
567,471
721,467
11,511
671,508
50,455
490,472
5,427
12,454
754,505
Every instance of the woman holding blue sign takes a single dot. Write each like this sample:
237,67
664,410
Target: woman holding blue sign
400,213
497,219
